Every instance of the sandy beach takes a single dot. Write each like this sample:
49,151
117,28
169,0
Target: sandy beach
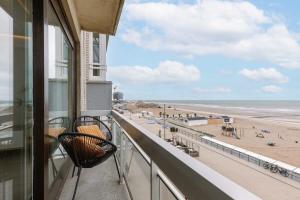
284,129
270,186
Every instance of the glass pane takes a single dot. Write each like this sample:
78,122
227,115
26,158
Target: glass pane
118,141
164,192
15,99
96,44
60,67
137,172
96,72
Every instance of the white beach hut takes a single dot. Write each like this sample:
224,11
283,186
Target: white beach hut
228,120
196,121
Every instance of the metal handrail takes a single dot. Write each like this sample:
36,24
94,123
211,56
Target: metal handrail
194,179
170,186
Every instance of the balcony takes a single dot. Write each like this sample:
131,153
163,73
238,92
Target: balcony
96,183
151,169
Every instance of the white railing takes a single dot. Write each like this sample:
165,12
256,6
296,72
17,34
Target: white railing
147,162
260,160
100,68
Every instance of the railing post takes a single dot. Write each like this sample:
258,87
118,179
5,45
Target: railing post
155,190
114,133
122,164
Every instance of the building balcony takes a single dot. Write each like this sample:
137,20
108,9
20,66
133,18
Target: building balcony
151,169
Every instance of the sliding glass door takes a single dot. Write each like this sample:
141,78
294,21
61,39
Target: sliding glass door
60,66
16,118
47,59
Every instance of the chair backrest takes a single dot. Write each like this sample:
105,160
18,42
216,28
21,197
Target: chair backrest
89,120
60,122
86,150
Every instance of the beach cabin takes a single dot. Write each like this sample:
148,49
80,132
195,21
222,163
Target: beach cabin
227,120
196,121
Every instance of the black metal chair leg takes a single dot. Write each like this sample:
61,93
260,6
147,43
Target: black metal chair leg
78,177
54,170
117,166
73,171
62,153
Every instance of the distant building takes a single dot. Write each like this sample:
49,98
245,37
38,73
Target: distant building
195,121
118,96
212,120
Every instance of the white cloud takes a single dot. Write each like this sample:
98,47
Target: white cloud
272,89
230,28
166,72
215,90
269,74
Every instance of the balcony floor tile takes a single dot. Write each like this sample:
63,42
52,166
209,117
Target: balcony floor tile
97,183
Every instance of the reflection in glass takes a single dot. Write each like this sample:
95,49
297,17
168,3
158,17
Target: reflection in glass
15,99
60,63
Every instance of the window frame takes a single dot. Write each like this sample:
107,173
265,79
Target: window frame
40,96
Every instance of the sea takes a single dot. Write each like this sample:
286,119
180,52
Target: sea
5,104
280,106
287,109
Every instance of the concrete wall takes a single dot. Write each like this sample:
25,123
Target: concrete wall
99,95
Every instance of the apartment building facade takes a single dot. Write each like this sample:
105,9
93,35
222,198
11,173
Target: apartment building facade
95,89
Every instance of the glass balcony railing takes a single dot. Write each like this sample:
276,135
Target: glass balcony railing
154,169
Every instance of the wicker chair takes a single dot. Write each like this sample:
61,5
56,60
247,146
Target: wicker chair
89,120
86,151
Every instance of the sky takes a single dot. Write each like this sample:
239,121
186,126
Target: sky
207,49
6,58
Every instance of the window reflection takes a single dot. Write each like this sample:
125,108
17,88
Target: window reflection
59,101
15,99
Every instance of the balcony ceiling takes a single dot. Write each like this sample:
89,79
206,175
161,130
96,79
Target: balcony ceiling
101,16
